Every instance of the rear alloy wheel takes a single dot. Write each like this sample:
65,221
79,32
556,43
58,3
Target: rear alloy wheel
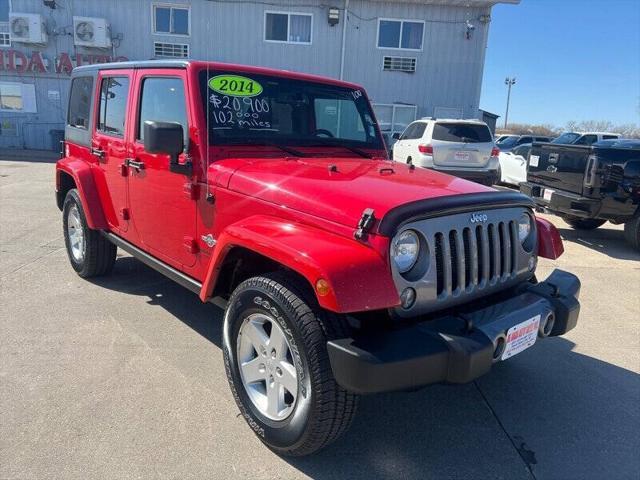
584,223
632,232
275,353
89,252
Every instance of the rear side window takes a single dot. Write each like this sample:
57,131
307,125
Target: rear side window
461,132
114,92
610,137
413,131
162,101
524,140
80,102
587,140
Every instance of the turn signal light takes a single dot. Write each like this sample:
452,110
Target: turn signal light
495,151
426,149
322,287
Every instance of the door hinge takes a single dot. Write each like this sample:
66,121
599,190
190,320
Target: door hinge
124,170
124,213
192,191
190,245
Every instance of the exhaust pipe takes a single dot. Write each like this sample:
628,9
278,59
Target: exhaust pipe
546,325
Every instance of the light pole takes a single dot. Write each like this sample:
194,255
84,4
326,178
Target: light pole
508,82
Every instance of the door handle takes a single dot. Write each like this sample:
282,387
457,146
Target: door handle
97,152
130,162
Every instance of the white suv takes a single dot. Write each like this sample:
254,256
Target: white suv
463,148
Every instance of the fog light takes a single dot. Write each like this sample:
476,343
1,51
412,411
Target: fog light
408,297
532,263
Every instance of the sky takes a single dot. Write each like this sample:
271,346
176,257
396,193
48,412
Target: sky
572,59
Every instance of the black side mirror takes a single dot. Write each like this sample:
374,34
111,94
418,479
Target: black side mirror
396,136
166,137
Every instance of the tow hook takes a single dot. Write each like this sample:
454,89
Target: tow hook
365,224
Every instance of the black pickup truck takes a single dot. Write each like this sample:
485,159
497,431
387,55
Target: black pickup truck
588,185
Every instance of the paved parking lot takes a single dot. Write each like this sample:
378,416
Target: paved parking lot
122,377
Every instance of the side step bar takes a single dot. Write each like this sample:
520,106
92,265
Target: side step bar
153,262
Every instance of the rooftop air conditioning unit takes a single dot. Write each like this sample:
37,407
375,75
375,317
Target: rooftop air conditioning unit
91,32
27,28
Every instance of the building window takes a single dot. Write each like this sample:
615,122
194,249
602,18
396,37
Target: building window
11,97
288,27
5,37
170,50
17,97
171,20
113,105
400,34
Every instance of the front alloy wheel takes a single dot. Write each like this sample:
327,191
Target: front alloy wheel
275,354
266,366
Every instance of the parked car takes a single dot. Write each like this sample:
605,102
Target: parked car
512,142
584,138
341,272
513,165
588,186
500,138
463,148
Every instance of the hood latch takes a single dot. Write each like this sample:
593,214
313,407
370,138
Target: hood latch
365,224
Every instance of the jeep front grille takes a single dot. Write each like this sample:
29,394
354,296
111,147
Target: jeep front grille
472,257
464,260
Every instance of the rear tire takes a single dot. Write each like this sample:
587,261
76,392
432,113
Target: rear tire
312,409
584,223
632,232
89,252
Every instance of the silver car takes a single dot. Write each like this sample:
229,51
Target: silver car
463,148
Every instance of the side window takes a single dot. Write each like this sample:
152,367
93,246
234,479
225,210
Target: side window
587,140
609,137
524,140
420,128
80,102
114,93
162,100
406,135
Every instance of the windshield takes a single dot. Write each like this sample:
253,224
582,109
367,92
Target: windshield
566,138
507,142
462,132
258,109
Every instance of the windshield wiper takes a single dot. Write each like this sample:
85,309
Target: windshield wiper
292,151
355,150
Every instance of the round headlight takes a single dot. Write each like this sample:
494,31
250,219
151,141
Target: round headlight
524,227
405,249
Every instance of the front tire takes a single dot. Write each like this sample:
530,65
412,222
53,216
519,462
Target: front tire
584,223
90,253
275,355
632,232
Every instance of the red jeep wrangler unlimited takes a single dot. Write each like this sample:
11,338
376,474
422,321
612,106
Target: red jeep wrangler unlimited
342,272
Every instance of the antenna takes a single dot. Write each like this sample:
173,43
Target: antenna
208,196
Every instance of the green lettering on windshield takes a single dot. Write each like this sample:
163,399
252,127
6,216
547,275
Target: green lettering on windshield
235,86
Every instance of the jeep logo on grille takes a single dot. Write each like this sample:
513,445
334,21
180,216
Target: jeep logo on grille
478,217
